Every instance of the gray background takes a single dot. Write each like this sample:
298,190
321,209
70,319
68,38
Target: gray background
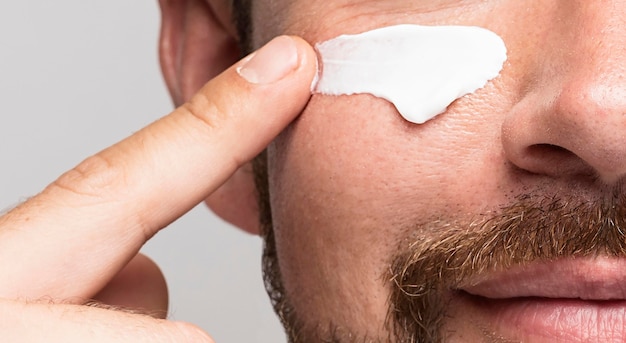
76,76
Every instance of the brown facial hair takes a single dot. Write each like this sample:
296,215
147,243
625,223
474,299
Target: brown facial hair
532,229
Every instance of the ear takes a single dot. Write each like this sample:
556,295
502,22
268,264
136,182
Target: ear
199,41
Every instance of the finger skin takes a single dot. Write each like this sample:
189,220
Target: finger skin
36,322
140,286
71,239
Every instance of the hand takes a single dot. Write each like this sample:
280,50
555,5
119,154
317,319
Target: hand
79,238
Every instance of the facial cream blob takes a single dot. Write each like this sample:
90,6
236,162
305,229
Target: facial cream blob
420,69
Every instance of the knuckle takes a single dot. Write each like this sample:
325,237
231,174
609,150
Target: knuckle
207,112
94,177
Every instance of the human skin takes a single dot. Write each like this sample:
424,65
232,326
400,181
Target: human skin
69,260
350,180
346,193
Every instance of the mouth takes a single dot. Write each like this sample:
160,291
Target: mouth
570,300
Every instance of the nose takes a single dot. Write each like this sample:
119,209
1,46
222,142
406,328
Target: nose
572,119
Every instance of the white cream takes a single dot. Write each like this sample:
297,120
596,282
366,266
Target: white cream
420,69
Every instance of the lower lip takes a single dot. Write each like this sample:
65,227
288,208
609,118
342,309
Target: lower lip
549,320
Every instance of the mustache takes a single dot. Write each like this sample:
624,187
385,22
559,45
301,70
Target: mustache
531,229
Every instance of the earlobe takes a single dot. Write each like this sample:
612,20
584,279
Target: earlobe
236,201
197,43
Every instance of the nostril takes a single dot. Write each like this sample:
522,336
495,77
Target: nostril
556,160
549,150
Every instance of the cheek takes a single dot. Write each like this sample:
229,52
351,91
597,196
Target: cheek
350,180
353,158
351,162
327,174
346,180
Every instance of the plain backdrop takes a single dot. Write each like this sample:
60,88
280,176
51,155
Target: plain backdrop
75,77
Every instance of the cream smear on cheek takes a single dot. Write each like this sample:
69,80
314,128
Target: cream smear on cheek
420,69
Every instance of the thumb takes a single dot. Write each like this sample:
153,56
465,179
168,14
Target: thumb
41,322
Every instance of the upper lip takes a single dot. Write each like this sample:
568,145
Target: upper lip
598,278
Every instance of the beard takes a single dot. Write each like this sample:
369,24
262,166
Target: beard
427,269
532,229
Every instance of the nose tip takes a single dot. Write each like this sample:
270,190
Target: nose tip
579,129
571,120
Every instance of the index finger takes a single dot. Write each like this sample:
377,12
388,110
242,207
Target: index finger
90,222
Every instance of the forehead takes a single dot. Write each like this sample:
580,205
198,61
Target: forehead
321,20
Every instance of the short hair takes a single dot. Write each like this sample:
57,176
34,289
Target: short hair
242,18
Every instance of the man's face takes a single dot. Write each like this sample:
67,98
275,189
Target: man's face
490,222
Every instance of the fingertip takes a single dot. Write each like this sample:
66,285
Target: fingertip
309,64
261,93
279,59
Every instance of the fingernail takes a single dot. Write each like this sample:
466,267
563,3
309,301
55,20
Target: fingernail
271,63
